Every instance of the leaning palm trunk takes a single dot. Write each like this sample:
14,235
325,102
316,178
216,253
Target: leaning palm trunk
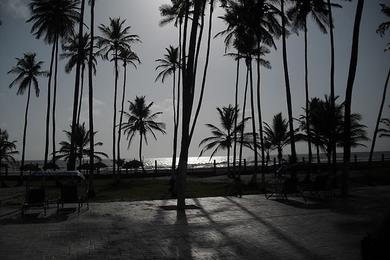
307,98
236,112
254,176
287,82
81,93
91,189
72,155
332,95
243,118
379,118
121,116
348,96
55,101
48,105
260,116
25,131
205,69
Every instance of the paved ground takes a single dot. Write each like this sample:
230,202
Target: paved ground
221,228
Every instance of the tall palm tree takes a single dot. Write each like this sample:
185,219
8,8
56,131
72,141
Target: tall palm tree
168,66
285,23
114,37
127,56
82,145
140,119
298,14
222,138
348,95
53,20
27,69
332,72
71,52
91,189
72,160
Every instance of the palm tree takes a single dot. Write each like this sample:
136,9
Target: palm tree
71,51
91,189
168,66
141,119
72,160
385,131
348,95
82,143
115,37
53,20
7,150
285,23
321,113
27,69
378,120
127,56
383,27
278,134
298,14
222,138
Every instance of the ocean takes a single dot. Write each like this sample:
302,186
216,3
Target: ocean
220,161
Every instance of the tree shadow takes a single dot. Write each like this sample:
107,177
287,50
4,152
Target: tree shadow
278,232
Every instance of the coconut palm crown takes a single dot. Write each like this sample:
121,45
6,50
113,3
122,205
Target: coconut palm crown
141,119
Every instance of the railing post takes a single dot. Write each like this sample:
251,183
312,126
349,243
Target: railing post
155,167
383,159
244,164
215,167
274,161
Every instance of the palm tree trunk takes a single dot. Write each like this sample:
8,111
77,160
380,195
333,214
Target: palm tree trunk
72,155
228,160
318,154
332,93
288,91
48,105
307,97
175,130
55,101
243,120
81,93
114,115
140,152
91,189
24,132
236,112
260,115
254,176
204,71
121,115
348,95
379,118
188,95
198,44
174,123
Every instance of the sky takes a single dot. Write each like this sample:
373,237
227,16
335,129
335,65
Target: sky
143,17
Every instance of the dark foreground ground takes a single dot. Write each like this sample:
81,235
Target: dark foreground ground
251,227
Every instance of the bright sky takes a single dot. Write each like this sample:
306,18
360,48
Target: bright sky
143,16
